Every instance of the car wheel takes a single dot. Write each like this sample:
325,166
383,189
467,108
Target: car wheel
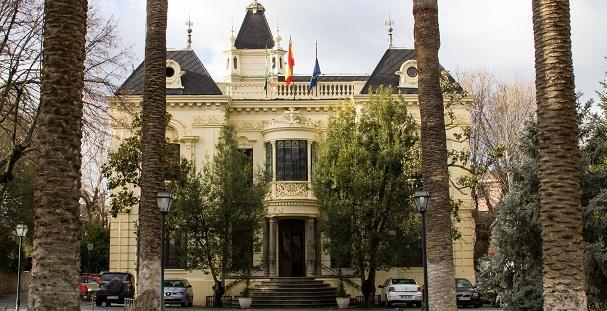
98,302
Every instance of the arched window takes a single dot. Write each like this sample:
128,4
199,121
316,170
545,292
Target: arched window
235,61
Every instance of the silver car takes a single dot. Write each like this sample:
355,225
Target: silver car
178,291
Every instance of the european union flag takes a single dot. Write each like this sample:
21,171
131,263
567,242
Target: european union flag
315,73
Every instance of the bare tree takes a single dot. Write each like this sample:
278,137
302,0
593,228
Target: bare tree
20,60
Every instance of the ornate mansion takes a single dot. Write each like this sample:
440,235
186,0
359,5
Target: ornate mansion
272,124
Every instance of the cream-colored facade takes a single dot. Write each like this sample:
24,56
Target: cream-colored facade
265,122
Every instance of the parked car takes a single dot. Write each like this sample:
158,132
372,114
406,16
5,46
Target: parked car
178,291
114,287
466,294
400,290
89,283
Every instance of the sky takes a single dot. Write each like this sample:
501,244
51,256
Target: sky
492,35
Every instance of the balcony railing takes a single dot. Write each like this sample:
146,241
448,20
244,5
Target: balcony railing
291,190
298,90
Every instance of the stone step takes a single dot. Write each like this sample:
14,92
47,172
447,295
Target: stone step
293,289
293,305
292,286
293,292
292,282
293,296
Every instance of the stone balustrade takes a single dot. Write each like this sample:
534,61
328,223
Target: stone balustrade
298,90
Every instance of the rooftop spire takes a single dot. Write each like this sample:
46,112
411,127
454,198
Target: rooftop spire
390,29
189,24
254,32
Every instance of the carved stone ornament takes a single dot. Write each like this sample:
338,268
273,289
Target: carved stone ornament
208,121
255,125
290,190
292,118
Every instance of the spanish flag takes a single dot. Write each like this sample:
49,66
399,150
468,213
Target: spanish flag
290,65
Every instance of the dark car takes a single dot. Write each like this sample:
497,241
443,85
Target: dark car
178,291
114,287
466,294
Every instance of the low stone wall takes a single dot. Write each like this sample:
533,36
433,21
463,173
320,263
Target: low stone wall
8,282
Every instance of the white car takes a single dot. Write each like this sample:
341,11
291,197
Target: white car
400,290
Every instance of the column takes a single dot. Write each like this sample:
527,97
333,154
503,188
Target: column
266,247
273,244
310,247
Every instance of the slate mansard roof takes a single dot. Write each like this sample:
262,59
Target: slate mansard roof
385,71
255,32
195,81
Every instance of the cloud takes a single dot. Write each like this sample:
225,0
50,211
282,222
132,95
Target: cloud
492,34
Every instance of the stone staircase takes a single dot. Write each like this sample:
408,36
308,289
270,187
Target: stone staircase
292,292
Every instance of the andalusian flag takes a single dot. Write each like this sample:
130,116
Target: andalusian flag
290,65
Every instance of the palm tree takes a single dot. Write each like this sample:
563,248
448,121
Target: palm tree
559,166
441,289
56,249
152,169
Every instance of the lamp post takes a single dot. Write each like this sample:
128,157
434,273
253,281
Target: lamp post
89,248
164,200
21,231
421,202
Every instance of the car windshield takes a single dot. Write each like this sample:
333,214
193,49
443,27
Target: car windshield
403,281
111,276
463,283
174,283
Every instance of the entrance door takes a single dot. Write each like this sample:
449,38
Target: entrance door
291,248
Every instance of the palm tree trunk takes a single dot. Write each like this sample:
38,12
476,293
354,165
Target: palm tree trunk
441,289
559,166
56,252
153,137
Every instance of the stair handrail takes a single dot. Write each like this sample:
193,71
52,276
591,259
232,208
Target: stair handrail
335,273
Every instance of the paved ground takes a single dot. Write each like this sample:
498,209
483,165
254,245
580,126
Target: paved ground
8,303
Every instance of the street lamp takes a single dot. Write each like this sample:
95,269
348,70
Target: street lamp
89,247
21,231
422,197
164,200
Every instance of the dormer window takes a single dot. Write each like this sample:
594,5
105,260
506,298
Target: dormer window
173,74
408,74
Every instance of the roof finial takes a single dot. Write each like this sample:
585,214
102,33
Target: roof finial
189,24
390,29
278,38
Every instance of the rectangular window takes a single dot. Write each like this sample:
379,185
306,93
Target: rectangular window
175,247
248,158
269,160
292,160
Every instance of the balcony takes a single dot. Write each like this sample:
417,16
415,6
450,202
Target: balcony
298,90
291,190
